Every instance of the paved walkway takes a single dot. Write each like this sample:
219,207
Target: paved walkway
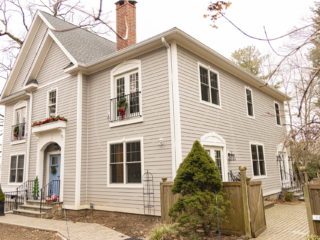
77,230
286,222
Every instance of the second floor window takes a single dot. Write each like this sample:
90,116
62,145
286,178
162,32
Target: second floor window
19,127
249,102
126,103
209,86
277,111
52,104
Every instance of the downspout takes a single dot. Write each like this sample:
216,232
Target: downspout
29,134
172,117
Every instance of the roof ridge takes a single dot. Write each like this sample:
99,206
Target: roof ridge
76,26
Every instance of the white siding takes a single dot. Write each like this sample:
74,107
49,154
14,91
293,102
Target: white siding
29,59
231,121
52,67
9,149
50,71
156,124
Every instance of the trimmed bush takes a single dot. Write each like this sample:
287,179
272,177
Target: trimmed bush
288,197
163,232
312,237
1,195
199,183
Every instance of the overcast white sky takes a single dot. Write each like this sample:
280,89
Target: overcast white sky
154,17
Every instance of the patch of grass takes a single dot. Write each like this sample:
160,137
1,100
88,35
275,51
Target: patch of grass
163,232
288,197
312,237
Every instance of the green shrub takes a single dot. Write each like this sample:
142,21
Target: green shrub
1,195
312,237
199,183
288,197
163,232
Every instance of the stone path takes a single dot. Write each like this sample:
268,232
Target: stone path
77,230
286,222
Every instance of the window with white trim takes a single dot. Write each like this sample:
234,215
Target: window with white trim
249,102
125,163
52,103
126,103
16,169
258,163
19,127
209,86
277,112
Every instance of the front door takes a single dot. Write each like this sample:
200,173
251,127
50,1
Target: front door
54,175
216,154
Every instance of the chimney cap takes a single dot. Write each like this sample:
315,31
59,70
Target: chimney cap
121,2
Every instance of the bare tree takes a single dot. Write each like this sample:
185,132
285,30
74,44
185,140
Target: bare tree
16,17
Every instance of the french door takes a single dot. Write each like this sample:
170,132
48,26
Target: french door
216,154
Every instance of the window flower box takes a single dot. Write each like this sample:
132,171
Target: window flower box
49,124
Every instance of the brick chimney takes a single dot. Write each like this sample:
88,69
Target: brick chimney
126,9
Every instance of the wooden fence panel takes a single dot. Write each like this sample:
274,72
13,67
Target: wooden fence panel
257,213
314,194
245,214
234,211
167,200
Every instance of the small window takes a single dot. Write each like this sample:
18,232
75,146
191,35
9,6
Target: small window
52,103
209,86
125,163
16,169
258,160
249,102
277,109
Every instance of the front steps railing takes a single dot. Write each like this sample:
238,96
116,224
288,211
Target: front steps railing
49,193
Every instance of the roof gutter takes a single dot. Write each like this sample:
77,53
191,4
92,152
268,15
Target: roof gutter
184,40
13,97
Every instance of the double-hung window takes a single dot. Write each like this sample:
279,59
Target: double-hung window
258,163
52,103
277,112
125,163
209,86
249,102
16,169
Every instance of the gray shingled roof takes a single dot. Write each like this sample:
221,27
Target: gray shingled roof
83,45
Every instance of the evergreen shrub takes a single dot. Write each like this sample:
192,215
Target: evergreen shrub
199,183
2,198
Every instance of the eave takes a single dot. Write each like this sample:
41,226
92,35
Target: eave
187,42
14,97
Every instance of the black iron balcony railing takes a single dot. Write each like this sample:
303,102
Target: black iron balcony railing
18,132
125,107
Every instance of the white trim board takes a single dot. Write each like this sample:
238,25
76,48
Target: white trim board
79,142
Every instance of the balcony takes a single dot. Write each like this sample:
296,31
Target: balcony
125,107
18,132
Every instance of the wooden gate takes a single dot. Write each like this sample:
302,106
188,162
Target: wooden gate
246,210
257,215
313,207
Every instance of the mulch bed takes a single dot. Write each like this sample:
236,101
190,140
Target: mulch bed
133,225
11,232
